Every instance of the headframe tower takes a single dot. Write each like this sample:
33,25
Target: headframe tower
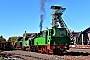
57,20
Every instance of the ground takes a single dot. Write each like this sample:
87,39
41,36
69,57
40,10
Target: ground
72,54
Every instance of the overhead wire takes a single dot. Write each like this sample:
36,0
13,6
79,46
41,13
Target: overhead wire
71,25
78,26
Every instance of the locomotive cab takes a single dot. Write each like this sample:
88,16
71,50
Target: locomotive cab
58,32
59,37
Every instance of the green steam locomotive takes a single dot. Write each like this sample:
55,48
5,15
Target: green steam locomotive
48,41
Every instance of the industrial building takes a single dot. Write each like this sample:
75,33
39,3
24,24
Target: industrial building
82,38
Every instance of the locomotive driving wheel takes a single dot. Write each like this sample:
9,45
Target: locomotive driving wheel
23,48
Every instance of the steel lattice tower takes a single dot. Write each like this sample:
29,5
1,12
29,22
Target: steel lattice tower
57,20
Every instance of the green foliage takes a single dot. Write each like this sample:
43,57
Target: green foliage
2,39
13,39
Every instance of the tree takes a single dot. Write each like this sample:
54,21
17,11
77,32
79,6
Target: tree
13,39
2,39
1,36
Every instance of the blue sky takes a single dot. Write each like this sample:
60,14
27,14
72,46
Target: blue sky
16,16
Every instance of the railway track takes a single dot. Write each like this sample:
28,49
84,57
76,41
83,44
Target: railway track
32,55
72,54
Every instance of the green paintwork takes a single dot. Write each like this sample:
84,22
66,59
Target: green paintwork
19,43
58,31
25,42
54,35
39,41
60,40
